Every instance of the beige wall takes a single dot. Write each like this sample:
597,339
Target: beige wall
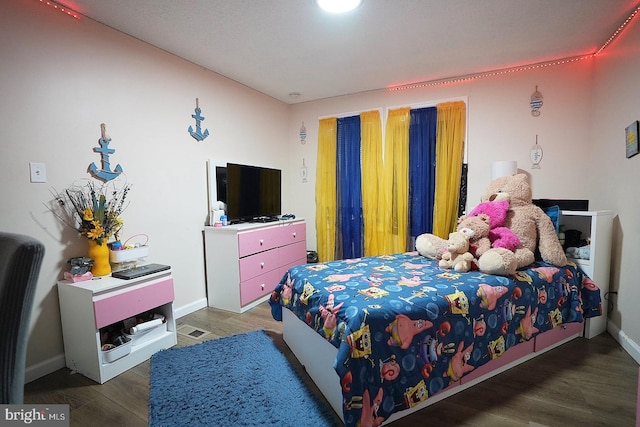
61,78
613,177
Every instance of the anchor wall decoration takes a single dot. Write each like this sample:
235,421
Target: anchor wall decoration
197,134
105,174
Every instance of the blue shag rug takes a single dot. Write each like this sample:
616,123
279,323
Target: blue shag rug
241,380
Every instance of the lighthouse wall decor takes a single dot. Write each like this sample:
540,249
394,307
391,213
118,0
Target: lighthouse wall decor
105,174
198,135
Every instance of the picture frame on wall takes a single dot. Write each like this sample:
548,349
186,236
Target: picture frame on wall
631,138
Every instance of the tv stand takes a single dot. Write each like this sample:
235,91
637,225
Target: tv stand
263,219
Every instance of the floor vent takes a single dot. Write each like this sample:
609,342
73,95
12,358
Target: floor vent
192,332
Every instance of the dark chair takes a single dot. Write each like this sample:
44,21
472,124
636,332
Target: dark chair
20,261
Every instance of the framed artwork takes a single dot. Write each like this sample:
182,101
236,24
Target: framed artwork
631,134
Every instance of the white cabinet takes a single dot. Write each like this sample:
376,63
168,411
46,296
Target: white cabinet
89,308
246,261
597,227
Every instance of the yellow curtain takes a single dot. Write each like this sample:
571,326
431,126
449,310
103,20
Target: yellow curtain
396,181
326,189
449,157
371,137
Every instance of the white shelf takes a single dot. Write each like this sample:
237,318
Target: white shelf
597,227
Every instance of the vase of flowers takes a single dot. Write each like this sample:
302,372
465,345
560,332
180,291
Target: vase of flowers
94,211
99,253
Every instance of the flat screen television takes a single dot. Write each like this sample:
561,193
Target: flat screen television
252,193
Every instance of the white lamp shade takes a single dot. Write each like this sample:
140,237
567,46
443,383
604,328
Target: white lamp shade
503,168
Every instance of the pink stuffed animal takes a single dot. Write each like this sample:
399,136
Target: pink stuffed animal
499,236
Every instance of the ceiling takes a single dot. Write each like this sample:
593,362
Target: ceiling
279,47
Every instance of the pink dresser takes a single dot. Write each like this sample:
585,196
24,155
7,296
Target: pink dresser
246,261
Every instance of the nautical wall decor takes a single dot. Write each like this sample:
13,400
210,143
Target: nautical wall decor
197,134
536,155
105,174
303,134
535,103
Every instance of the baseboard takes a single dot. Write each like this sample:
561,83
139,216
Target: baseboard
32,373
189,308
625,342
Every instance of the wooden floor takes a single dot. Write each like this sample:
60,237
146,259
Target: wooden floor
582,383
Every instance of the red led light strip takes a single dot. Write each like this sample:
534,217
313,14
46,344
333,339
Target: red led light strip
563,61
61,8
618,31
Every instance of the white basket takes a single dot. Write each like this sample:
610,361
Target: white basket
125,255
117,353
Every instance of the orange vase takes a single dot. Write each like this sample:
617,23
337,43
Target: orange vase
100,256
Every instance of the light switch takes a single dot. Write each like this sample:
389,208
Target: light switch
38,172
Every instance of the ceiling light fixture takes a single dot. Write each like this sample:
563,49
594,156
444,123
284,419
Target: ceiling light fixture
338,6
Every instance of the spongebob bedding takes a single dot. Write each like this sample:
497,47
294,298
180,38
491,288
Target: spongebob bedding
405,329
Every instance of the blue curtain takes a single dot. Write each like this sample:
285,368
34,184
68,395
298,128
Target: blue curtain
422,169
349,224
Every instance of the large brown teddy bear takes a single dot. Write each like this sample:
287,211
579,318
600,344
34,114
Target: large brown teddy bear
526,220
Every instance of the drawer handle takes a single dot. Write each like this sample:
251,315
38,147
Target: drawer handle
294,234
261,242
262,287
262,265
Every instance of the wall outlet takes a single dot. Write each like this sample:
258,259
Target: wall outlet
38,172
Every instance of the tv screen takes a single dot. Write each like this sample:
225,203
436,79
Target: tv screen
253,193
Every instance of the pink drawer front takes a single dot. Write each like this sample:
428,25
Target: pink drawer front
126,302
260,263
292,253
292,233
556,334
252,242
514,353
259,286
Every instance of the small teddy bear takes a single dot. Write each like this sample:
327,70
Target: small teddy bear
457,255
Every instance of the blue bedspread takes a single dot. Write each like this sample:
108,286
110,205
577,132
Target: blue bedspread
405,329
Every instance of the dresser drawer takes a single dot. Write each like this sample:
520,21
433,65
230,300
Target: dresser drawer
252,242
292,253
292,233
127,302
260,263
286,267
260,286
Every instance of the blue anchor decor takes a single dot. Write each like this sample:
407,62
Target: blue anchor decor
197,134
105,174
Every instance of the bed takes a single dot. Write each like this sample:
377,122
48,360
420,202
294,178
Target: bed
401,333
